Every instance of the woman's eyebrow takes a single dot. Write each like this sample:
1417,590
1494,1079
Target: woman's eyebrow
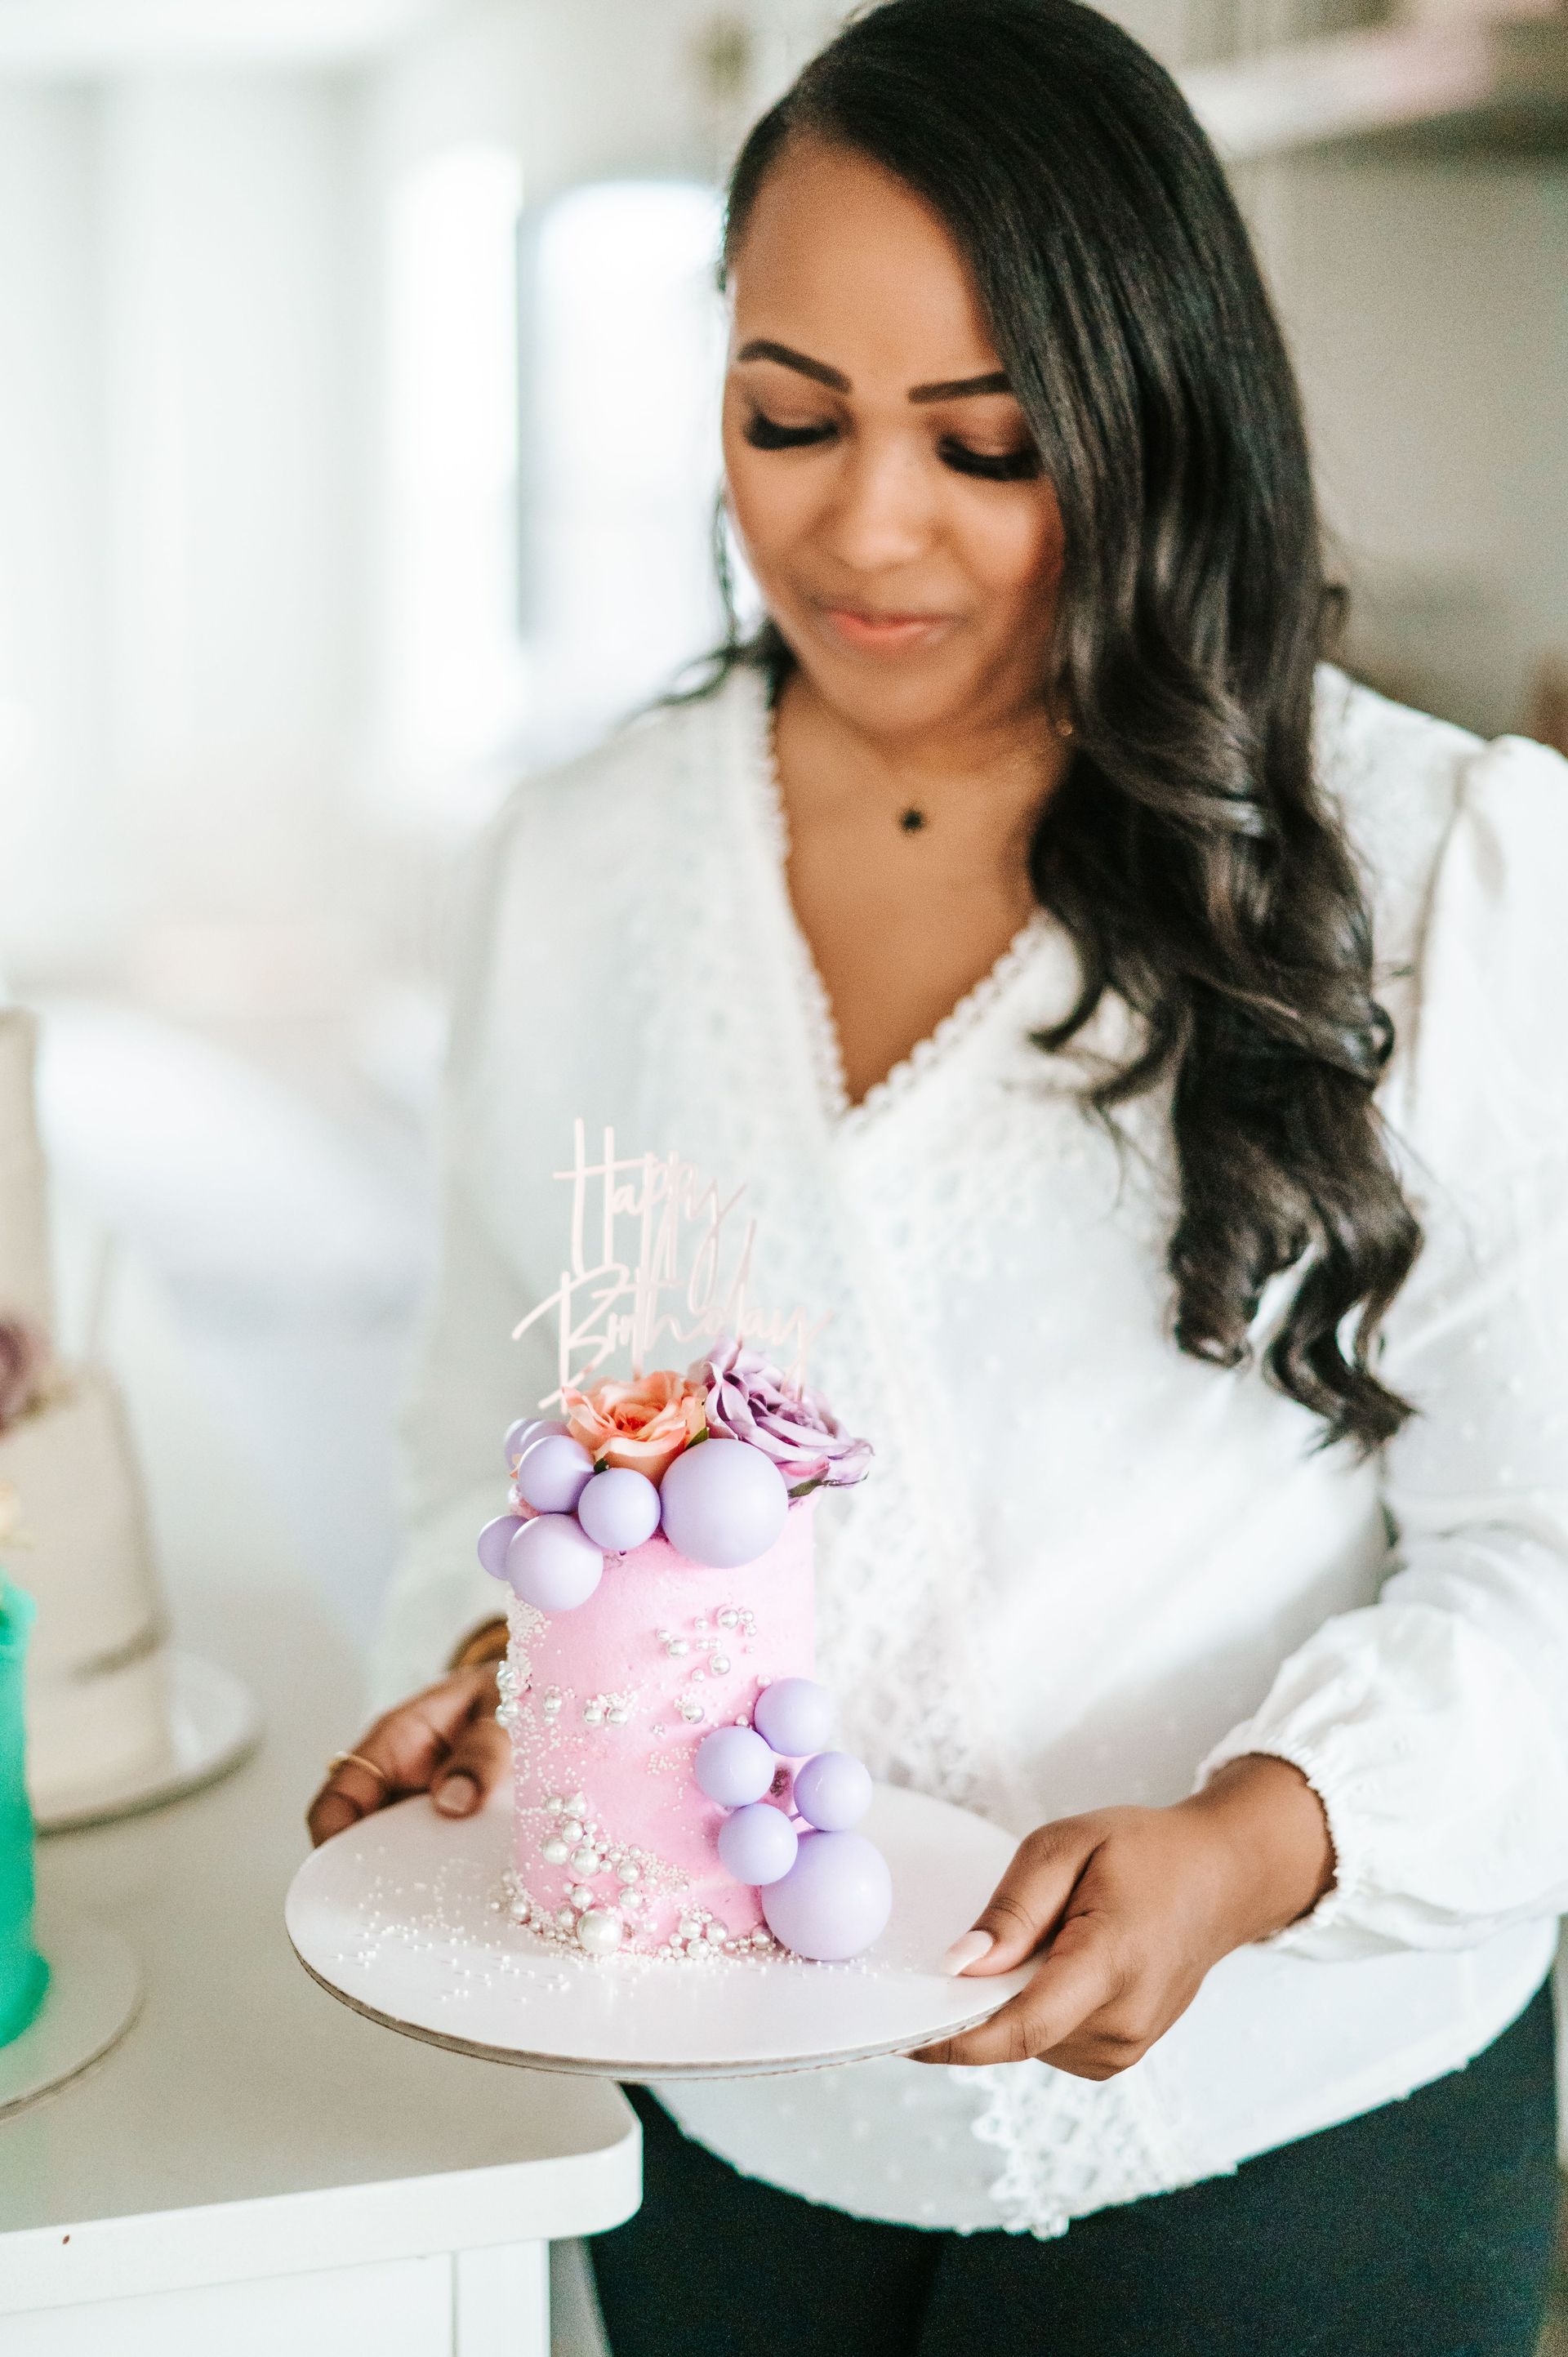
762,347
957,388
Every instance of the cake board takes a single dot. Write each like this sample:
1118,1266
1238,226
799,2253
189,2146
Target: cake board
94,1996
213,1726
402,1917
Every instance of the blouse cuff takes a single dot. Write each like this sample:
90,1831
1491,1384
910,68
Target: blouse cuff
1440,1774
1327,1927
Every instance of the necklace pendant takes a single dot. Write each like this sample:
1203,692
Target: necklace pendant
913,819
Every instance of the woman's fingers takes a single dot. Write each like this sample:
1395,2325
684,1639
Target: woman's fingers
1074,1982
1029,1901
405,1750
477,1762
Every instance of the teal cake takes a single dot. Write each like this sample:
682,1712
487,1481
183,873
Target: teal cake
24,1976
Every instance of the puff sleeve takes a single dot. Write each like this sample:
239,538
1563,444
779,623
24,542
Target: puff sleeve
1433,1724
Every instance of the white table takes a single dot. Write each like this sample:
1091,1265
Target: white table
255,2168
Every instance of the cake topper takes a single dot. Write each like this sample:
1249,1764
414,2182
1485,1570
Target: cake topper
672,1259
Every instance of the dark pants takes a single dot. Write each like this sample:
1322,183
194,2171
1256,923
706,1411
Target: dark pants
1423,2229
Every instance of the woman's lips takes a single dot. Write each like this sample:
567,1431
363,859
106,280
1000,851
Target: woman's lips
882,634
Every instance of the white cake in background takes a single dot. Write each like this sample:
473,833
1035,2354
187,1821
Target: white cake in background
98,1703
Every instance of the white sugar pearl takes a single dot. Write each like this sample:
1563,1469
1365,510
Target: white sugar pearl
581,1896
691,1711
599,1931
628,1872
592,1716
617,1716
688,1927
577,1806
729,1618
677,1647
716,1935
564,1917
586,1859
554,1849
719,1665
572,1831
554,1804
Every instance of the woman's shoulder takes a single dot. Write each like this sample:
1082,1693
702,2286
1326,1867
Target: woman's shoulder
637,786
1416,794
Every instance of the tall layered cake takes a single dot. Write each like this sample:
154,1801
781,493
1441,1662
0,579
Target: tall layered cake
97,1706
677,1793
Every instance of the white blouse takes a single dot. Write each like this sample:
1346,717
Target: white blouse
1086,1569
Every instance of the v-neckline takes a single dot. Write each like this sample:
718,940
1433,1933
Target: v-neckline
935,1048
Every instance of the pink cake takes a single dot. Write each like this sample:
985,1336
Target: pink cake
608,1704
676,1791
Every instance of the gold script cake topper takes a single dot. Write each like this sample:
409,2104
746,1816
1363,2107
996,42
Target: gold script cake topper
688,1280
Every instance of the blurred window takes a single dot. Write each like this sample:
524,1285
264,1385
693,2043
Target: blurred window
623,350
455,675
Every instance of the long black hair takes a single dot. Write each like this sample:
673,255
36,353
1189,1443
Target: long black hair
1189,851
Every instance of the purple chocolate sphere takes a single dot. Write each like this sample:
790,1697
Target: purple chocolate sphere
553,1472
794,1715
550,1564
723,1503
758,1844
733,1765
494,1541
834,1901
619,1508
832,1790
527,1428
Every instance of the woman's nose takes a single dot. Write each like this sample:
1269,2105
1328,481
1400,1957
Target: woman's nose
883,512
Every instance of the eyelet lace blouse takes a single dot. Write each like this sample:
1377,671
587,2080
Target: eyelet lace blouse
1086,1569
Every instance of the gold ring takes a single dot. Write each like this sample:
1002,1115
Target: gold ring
357,1760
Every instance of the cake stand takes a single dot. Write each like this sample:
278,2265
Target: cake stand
94,1996
213,1725
402,1917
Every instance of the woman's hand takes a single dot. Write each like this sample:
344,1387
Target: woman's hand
445,1741
1129,1909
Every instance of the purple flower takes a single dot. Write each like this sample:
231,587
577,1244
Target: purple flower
749,1399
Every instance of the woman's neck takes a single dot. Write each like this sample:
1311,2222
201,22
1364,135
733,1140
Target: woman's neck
983,779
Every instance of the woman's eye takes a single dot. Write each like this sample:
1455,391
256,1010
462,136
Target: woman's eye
995,466
765,434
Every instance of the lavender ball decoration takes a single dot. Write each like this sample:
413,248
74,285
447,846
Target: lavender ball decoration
552,1565
619,1509
733,1766
832,1790
794,1715
494,1541
527,1428
723,1503
553,1472
834,1901
758,1844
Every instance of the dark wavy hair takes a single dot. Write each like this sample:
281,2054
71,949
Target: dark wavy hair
1189,851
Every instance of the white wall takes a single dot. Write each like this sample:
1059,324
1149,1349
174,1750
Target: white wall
55,900
1428,308
228,552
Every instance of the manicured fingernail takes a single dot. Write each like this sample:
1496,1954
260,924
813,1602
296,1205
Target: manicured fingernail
458,1796
966,1952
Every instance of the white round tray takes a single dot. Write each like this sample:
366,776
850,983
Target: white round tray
398,1917
94,1995
213,1726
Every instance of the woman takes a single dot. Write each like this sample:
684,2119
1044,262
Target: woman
1100,995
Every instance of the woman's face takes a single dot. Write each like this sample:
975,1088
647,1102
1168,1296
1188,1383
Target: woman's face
881,476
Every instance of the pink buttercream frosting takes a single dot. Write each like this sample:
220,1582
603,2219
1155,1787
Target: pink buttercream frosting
610,1703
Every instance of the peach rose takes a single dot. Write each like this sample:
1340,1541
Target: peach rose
644,1425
